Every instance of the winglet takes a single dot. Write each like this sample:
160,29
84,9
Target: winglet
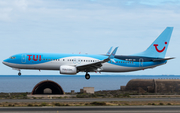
108,53
111,56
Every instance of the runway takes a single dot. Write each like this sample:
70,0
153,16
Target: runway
90,99
94,109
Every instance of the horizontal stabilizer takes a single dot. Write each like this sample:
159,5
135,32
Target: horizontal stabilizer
167,58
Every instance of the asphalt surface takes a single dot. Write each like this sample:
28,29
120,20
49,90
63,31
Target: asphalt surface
94,109
90,99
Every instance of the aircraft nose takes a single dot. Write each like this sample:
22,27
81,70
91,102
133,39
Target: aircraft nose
4,63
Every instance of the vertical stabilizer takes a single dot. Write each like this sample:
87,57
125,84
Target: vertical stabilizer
159,47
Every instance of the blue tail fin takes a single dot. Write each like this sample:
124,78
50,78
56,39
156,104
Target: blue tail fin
159,47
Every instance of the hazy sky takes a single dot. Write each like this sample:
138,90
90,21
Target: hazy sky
87,26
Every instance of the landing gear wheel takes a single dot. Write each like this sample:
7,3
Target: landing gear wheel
19,73
87,76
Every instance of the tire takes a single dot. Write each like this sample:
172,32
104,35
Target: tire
19,74
87,76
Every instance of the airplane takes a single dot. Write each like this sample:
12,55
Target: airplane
71,64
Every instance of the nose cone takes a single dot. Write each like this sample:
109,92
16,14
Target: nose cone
5,62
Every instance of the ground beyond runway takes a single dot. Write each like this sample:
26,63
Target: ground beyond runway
91,99
94,109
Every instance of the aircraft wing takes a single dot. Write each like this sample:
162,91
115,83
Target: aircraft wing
90,67
94,66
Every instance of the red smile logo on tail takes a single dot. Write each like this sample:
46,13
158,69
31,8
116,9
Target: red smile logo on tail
158,49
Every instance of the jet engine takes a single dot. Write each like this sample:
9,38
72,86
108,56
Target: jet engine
68,70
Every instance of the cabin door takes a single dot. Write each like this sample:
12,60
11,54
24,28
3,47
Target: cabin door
23,58
141,62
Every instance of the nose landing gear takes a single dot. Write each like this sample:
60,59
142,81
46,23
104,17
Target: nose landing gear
19,73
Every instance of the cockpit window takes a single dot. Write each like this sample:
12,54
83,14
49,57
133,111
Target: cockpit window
12,57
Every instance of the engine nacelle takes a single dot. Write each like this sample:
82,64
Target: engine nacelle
68,70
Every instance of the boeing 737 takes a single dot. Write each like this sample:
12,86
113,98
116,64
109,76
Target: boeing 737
71,64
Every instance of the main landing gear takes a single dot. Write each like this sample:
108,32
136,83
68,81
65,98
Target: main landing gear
87,76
